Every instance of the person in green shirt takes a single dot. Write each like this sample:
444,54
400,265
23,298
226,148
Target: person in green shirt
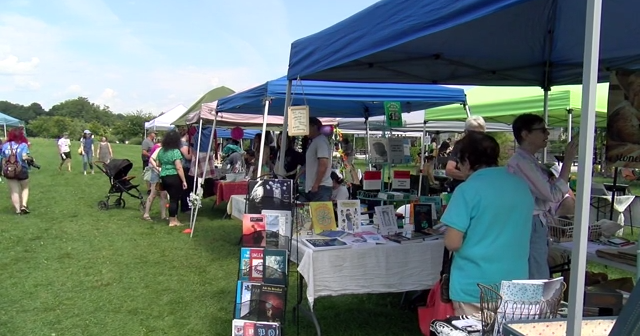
171,173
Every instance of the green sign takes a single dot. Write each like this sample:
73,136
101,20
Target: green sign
393,114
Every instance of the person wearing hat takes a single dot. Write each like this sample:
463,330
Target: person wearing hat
87,151
318,184
64,147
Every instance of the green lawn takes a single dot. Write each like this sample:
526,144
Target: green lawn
69,269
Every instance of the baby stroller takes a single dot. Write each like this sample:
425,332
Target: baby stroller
117,170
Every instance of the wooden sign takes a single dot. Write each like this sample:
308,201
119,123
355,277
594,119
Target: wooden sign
298,120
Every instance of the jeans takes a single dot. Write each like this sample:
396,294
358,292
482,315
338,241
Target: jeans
172,184
539,250
87,160
322,195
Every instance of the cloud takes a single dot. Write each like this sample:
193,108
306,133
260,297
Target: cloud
12,65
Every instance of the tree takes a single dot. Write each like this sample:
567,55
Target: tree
506,142
24,113
55,126
131,126
82,109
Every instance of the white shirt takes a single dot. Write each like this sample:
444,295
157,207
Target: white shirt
63,145
340,194
319,148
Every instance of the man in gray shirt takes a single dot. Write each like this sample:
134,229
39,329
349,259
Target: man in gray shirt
318,184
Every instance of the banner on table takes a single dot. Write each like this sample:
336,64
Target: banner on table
623,120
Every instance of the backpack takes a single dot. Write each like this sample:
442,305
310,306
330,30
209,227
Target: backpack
12,167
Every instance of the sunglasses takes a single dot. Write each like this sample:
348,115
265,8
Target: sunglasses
544,129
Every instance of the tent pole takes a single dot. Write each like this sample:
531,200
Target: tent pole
206,167
569,124
196,186
585,162
467,110
285,122
263,137
5,130
546,120
366,122
422,161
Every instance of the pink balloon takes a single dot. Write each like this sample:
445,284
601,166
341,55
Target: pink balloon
237,133
326,130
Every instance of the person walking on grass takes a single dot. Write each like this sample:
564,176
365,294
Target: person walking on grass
64,148
14,156
105,154
152,176
169,160
87,151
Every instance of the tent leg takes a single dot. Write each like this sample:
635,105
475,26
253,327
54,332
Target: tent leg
196,181
467,110
422,161
194,212
569,123
263,138
585,155
285,131
366,122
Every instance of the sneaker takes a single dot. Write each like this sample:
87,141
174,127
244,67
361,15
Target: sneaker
24,210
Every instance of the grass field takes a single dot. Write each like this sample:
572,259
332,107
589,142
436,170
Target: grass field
69,269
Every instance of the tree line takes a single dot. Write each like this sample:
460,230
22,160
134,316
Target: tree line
76,115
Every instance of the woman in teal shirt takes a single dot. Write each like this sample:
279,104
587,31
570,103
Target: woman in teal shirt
488,224
172,176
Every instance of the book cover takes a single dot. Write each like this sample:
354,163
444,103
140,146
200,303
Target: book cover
285,221
269,195
249,328
437,200
275,266
271,306
423,215
273,223
387,216
378,150
267,329
395,150
238,327
322,216
256,261
253,230
349,215
304,224
254,302
245,264
324,243
243,298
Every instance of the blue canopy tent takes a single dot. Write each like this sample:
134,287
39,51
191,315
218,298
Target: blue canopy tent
339,99
222,133
6,120
486,42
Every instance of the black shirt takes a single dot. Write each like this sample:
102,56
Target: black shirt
454,157
293,159
444,146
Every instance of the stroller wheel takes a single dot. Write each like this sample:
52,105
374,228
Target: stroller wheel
103,205
120,203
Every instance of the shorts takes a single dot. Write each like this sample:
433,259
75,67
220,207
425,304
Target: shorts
65,156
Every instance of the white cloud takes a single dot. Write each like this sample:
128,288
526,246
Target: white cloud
75,89
12,65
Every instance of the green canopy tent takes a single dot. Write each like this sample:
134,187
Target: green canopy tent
209,97
504,104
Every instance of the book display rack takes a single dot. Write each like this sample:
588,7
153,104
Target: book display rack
263,269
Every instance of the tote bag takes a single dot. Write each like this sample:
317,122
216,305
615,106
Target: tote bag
434,310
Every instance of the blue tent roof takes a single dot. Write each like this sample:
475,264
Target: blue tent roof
9,121
339,99
221,133
467,42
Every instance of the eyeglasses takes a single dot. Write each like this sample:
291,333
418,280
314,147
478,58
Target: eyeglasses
544,129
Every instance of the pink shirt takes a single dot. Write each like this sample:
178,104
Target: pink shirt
153,149
545,190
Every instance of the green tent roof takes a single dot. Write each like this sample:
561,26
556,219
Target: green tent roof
209,97
503,104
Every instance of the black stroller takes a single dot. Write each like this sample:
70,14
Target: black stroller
117,170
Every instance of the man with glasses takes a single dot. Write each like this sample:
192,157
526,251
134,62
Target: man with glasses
532,135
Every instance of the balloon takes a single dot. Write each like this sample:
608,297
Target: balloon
326,130
237,133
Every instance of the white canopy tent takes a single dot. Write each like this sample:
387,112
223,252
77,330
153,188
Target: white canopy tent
165,121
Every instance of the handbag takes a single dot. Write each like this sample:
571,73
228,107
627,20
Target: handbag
435,309
445,275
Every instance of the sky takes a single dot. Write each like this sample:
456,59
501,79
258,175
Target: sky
150,55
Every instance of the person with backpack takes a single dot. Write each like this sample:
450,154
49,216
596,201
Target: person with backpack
15,169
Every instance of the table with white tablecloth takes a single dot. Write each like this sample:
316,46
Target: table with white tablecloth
383,268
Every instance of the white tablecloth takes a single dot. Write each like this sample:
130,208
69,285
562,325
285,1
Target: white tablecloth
236,206
386,268
601,208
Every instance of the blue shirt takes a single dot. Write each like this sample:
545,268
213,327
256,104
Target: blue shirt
20,150
86,145
493,209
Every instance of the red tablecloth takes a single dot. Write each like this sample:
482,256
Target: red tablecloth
224,190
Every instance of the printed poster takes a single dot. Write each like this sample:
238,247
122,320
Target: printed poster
393,114
623,120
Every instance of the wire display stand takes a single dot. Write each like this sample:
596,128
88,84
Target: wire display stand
495,311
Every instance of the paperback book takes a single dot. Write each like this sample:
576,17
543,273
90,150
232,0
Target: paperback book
349,215
253,230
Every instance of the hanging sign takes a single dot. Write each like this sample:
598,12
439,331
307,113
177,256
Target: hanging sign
623,120
401,179
298,120
393,114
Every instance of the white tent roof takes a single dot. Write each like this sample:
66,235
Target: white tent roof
165,120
